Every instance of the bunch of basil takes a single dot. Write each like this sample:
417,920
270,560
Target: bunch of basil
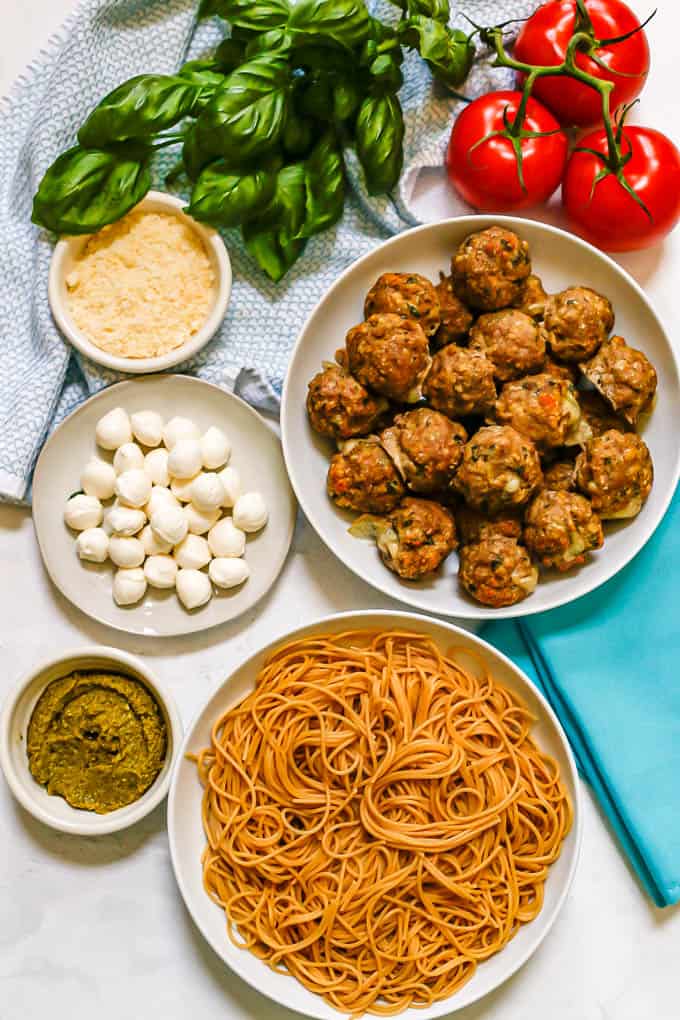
262,123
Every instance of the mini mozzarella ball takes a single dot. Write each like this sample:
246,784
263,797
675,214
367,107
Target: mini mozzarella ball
200,521
160,571
231,483
128,457
113,429
228,572
193,552
226,540
147,427
133,488
98,479
193,588
153,545
82,512
207,491
126,551
181,488
215,448
129,585
250,512
156,466
170,524
184,460
179,428
125,520
93,545
160,496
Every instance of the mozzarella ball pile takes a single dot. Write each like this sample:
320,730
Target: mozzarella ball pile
165,507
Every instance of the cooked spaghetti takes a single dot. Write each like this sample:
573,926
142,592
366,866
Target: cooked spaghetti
378,818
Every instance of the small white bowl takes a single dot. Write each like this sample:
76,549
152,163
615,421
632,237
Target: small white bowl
16,714
68,249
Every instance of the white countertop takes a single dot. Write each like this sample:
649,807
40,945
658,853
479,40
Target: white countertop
96,927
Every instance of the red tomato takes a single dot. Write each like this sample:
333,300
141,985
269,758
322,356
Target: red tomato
487,176
543,40
610,217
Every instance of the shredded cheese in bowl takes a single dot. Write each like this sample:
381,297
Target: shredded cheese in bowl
143,286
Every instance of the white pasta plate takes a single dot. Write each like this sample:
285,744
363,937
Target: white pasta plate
187,838
560,259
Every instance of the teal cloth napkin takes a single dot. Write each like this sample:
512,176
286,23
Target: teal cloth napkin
610,666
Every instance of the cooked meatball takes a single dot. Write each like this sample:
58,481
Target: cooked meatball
560,476
460,382
408,295
414,539
362,477
625,377
500,469
490,269
534,298
426,447
511,340
497,571
560,370
561,528
475,527
455,318
390,355
542,408
340,407
615,472
578,319
597,416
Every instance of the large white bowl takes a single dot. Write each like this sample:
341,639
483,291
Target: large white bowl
187,839
560,259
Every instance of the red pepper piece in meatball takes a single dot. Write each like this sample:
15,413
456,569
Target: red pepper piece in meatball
389,355
427,448
560,476
414,539
624,376
362,477
615,472
460,382
455,318
408,295
497,571
534,297
490,269
561,528
511,340
340,407
542,408
578,320
500,469
474,526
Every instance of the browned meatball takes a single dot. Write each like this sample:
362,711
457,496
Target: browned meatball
426,447
408,295
542,408
511,340
389,355
414,539
615,471
597,416
534,298
561,371
455,318
474,527
578,319
460,382
362,477
560,476
561,528
500,469
497,571
490,269
340,407
625,377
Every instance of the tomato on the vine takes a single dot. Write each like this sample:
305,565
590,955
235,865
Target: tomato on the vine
544,38
486,171
603,211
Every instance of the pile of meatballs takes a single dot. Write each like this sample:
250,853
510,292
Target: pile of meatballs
483,413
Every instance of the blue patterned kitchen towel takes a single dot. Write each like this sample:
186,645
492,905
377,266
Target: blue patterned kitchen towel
101,44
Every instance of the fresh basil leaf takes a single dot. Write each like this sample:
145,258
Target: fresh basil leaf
346,98
379,135
272,237
346,22
438,10
276,40
448,52
316,98
193,156
230,54
386,71
324,187
248,115
274,258
257,15
298,136
320,58
226,197
86,189
138,109
204,74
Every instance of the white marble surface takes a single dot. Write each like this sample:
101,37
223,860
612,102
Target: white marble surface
97,928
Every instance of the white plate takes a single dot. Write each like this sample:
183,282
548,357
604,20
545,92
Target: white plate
559,259
256,452
187,839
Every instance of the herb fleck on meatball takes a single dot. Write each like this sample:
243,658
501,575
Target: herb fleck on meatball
455,317
390,355
414,539
490,269
426,447
561,528
362,477
460,382
511,340
408,295
497,571
624,376
578,320
615,472
500,469
340,407
542,408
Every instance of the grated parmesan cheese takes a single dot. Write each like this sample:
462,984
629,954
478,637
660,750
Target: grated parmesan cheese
143,286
